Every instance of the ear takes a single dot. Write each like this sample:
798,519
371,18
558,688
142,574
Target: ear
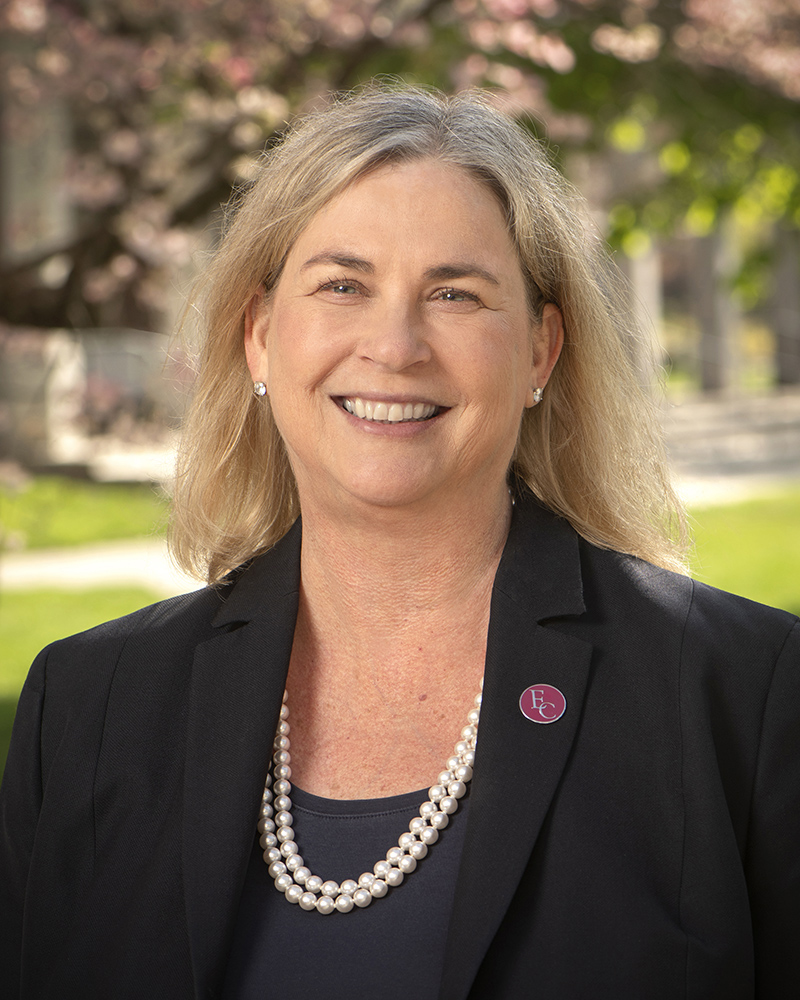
548,339
256,326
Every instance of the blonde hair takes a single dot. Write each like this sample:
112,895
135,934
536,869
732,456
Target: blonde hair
591,450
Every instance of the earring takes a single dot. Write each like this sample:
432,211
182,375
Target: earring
259,388
537,395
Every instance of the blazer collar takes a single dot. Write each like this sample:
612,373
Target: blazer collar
519,763
238,678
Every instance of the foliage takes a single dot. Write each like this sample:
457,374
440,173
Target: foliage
29,620
50,511
694,105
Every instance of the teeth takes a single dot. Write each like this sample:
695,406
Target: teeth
388,413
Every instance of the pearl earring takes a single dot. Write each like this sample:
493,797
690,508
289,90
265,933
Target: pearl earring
537,395
259,388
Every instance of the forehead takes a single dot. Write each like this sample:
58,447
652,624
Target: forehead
421,203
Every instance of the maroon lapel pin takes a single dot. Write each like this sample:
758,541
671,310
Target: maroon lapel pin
542,703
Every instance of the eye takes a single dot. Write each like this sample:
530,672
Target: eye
456,295
340,287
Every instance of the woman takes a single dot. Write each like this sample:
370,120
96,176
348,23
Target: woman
413,342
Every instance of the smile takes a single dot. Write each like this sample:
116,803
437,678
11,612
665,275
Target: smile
388,413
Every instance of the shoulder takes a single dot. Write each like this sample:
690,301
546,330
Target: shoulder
626,585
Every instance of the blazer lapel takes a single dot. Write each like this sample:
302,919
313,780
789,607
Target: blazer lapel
519,763
237,682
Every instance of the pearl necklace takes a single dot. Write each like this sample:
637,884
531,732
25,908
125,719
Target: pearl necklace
281,853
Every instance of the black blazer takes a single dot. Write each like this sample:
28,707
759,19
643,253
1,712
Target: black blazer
646,845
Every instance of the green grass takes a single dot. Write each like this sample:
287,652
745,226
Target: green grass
30,620
752,548
52,512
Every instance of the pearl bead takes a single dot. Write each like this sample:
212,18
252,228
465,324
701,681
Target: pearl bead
284,712
273,854
439,820
467,732
453,763
436,792
288,846
427,809
418,850
407,864
330,888
302,873
284,818
394,854
294,862
362,897
325,905
281,743
366,879
463,773
308,901
267,783
406,840
445,778
283,771
344,904
285,833
448,805
469,757
283,787
381,868
378,888
268,840
461,747
474,717
267,796
284,728
479,699
266,813
277,868
283,882
282,757
429,835
283,803
348,887
313,883
417,825
456,788
394,877
293,893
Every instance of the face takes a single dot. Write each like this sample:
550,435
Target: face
398,348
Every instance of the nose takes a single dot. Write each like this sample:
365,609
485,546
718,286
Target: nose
396,339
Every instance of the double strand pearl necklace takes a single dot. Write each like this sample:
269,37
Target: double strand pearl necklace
281,853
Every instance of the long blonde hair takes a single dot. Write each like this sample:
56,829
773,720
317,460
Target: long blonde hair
592,451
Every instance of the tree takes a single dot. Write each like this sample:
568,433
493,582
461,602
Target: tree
168,102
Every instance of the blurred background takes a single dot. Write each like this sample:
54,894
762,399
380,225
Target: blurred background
124,125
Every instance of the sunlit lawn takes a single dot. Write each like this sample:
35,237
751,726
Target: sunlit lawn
51,511
751,548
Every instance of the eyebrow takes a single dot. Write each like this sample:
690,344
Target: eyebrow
340,260
442,272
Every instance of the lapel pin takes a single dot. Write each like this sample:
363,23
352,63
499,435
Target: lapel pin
542,703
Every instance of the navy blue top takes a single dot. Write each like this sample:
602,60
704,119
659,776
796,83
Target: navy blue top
392,948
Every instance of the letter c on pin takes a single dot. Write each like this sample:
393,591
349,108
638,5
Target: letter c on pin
542,703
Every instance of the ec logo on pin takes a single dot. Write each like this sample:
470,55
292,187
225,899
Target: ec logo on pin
542,703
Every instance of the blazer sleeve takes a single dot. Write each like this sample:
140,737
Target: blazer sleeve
772,859
20,803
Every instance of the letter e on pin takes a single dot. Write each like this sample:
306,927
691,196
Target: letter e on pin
542,703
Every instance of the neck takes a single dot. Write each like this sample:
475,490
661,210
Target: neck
393,569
